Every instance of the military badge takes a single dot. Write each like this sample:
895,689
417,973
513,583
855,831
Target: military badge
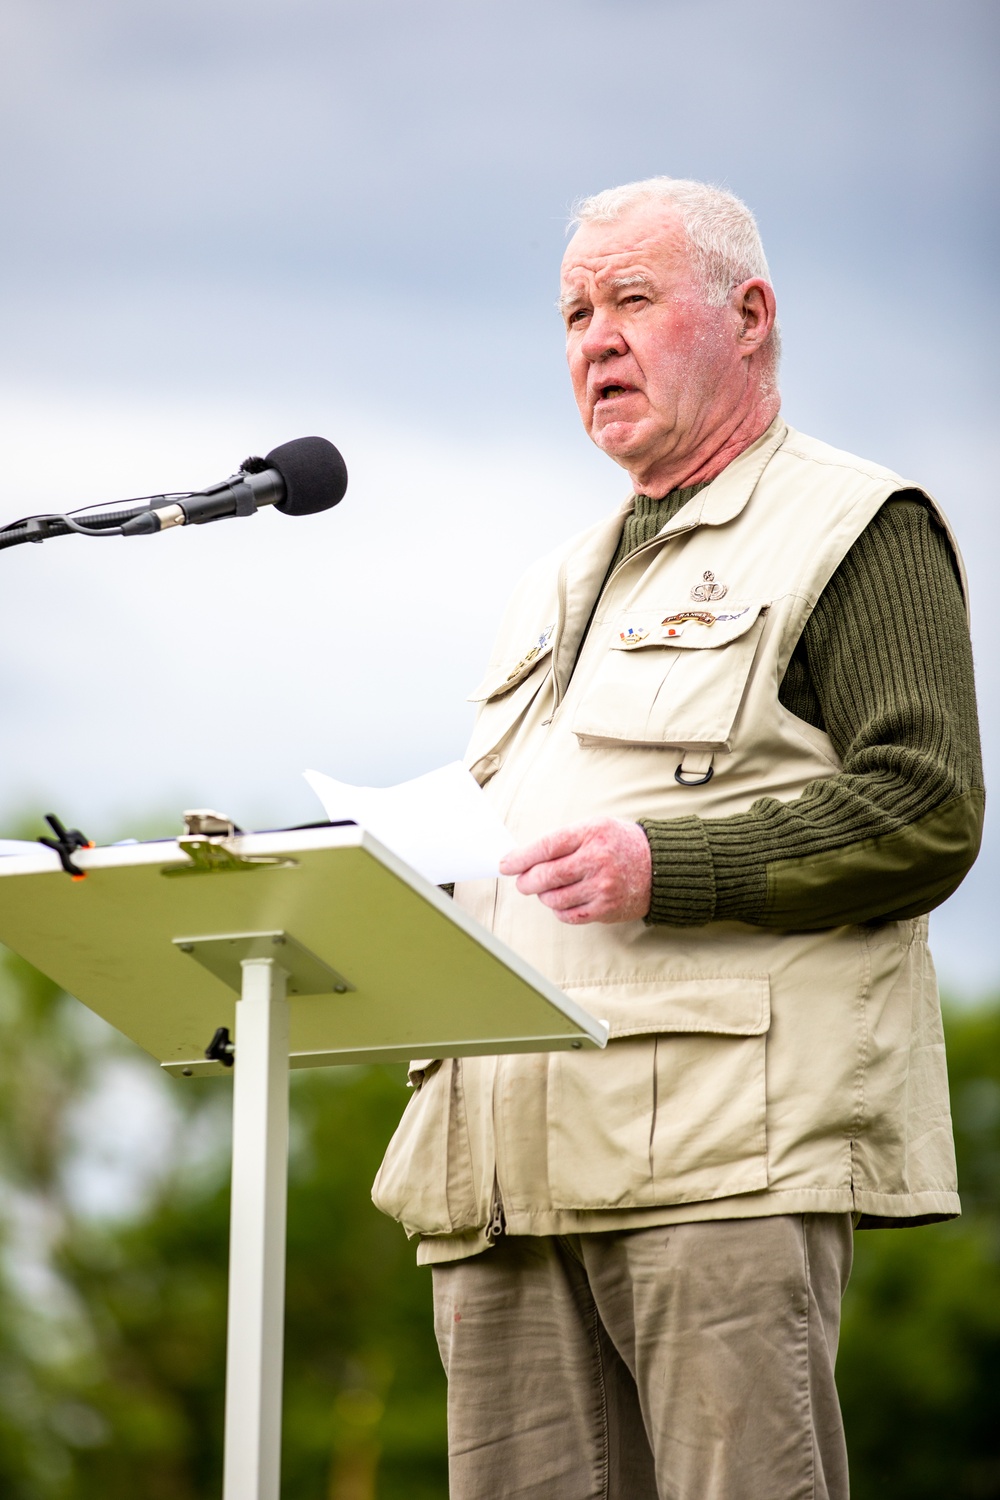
708,589
683,616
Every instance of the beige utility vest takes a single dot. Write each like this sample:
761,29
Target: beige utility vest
749,1071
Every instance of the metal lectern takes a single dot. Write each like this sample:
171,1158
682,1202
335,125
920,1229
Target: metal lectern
306,947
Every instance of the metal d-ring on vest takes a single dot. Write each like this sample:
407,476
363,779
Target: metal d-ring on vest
695,768
683,780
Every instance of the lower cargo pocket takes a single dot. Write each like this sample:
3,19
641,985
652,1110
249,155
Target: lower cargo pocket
425,1180
674,1111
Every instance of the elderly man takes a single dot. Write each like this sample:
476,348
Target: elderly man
733,730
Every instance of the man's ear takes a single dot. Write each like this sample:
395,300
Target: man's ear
755,308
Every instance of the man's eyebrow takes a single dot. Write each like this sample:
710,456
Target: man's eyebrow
637,278
570,300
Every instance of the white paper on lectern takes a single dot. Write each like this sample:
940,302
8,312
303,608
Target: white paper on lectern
19,846
441,824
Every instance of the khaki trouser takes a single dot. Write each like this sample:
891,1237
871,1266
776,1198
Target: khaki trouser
691,1362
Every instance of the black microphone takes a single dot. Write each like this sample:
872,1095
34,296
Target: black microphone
298,478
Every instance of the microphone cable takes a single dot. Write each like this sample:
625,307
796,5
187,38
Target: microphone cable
108,523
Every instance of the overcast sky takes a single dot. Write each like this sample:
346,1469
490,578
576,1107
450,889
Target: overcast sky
232,222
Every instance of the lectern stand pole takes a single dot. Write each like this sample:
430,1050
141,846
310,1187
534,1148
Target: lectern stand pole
257,1236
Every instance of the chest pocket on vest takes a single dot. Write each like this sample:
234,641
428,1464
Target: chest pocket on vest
504,696
671,676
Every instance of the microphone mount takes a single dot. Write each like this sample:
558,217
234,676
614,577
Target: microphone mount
238,496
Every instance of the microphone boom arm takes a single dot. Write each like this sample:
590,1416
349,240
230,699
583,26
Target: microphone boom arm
240,495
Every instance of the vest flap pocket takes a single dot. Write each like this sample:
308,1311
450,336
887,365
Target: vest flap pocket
504,696
500,680
683,689
420,1068
689,627
722,1005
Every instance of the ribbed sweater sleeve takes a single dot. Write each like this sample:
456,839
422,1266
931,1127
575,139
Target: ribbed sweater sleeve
884,665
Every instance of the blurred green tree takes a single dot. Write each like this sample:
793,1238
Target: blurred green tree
112,1330
364,1392
919,1365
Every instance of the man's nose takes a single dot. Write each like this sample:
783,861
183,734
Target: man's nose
603,339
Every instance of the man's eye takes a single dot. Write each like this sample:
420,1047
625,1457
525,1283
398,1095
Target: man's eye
578,316
635,297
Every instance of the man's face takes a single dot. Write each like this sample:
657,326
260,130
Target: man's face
654,370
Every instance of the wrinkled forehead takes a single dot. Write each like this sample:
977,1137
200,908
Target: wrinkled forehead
650,239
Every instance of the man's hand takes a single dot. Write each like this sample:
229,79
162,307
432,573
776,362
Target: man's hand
592,872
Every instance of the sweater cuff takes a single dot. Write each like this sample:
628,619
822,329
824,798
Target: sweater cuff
740,877
683,893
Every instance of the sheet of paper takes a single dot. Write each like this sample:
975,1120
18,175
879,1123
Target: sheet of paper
441,823
19,846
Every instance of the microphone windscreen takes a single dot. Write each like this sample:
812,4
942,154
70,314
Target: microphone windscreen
315,475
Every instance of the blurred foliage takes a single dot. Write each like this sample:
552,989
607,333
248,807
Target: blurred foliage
112,1330
112,1327
919,1366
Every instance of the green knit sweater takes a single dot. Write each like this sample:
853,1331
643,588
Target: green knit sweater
884,666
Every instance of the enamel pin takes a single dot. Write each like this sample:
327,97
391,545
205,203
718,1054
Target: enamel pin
529,656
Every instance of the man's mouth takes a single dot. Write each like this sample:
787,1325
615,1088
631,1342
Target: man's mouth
612,389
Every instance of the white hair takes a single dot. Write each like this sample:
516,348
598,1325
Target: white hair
725,243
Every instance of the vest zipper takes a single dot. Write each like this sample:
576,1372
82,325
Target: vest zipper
498,1219
655,542
659,540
